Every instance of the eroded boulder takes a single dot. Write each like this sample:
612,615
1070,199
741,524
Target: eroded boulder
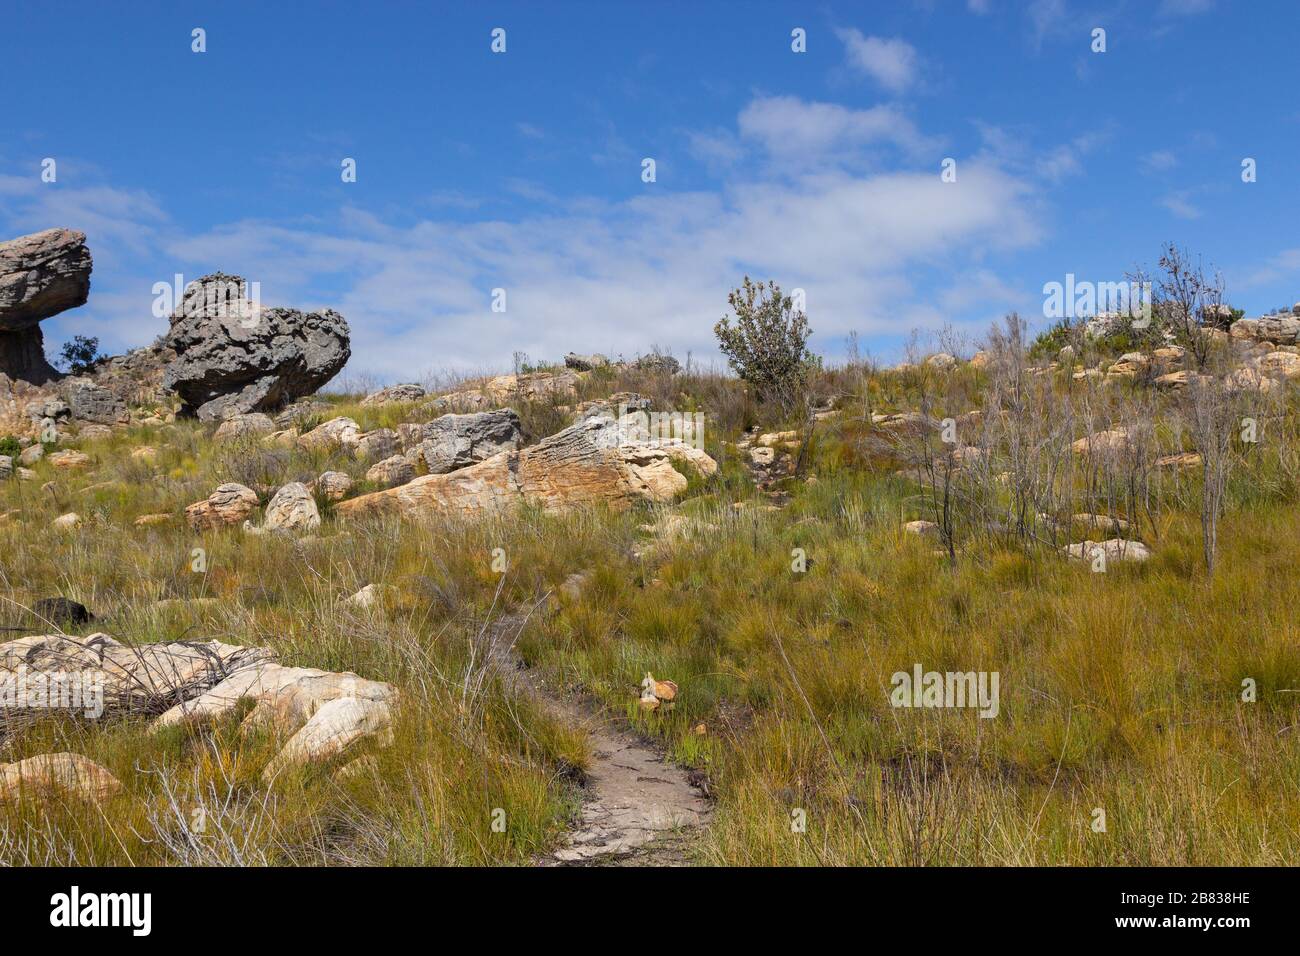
234,356
598,460
41,275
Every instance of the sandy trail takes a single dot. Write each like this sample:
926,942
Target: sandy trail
639,809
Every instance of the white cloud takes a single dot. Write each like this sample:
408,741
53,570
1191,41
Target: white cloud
874,249
799,133
1180,206
1159,161
892,62
1047,18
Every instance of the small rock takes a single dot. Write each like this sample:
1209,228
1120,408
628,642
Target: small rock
240,426
391,472
292,509
333,485
61,611
66,522
395,393
230,504
67,773
69,459
1116,549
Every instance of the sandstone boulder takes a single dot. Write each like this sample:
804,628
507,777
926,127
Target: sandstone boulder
1115,549
376,445
135,678
391,472
332,729
230,504
334,434
66,773
1112,441
69,459
292,509
287,695
599,460
333,485
246,425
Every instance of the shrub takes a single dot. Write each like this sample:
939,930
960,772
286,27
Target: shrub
79,354
767,346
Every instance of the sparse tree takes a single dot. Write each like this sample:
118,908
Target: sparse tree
79,354
767,345
1189,302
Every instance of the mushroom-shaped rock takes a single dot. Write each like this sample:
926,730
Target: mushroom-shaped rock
41,275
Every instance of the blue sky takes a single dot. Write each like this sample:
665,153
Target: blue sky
522,170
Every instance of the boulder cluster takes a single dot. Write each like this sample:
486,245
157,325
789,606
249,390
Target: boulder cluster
223,354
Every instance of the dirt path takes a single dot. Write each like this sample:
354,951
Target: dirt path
639,809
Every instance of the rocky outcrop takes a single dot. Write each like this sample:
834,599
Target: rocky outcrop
40,275
457,441
528,387
233,356
664,364
598,460
134,678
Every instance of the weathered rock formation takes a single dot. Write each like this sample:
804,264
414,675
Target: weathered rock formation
233,356
457,441
230,504
292,509
596,460
40,275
